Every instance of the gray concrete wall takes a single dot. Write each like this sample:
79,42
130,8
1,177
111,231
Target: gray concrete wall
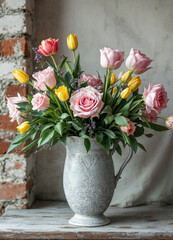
120,24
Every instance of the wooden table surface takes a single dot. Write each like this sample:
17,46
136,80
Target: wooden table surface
49,220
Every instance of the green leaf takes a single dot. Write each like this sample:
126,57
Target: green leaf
33,135
30,145
83,135
76,67
59,128
41,120
106,143
126,138
49,125
142,147
155,127
76,125
99,137
108,119
68,68
121,121
62,63
87,144
48,112
110,133
13,145
139,131
46,137
149,135
53,142
133,143
24,136
22,104
118,148
36,113
126,107
29,97
64,116
107,109
63,140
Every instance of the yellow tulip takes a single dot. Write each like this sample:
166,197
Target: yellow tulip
126,93
134,83
125,76
21,76
72,42
24,127
62,93
113,79
114,90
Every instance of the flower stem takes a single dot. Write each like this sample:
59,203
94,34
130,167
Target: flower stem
58,104
31,83
142,100
162,118
53,59
74,58
68,109
106,85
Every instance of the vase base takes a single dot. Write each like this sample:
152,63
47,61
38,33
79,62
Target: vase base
89,221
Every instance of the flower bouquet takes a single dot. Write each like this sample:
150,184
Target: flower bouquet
68,102
92,115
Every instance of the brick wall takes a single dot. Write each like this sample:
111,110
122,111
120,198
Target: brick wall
16,168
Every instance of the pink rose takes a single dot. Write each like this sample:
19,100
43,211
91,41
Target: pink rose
14,113
155,98
111,58
48,47
40,102
92,81
152,116
45,77
86,102
128,129
137,62
169,122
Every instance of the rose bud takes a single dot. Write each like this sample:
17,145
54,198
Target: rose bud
40,102
129,130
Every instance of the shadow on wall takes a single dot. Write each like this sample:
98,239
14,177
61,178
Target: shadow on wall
49,173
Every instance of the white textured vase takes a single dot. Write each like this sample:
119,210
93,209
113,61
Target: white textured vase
89,181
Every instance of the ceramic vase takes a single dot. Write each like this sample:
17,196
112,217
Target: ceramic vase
89,181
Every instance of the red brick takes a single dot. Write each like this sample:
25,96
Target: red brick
10,191
0,210
30,185
12,90
6,125
7,46
5,143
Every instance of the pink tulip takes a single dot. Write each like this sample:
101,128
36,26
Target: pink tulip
45,77
155,98
120,75
48,47
40,102
14,113
92,81
111,58
86,102
128,129
137,62
169,122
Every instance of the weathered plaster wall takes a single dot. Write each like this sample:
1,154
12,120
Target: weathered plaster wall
16,168
121,24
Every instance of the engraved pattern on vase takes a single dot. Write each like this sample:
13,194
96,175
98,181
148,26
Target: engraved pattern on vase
88,177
